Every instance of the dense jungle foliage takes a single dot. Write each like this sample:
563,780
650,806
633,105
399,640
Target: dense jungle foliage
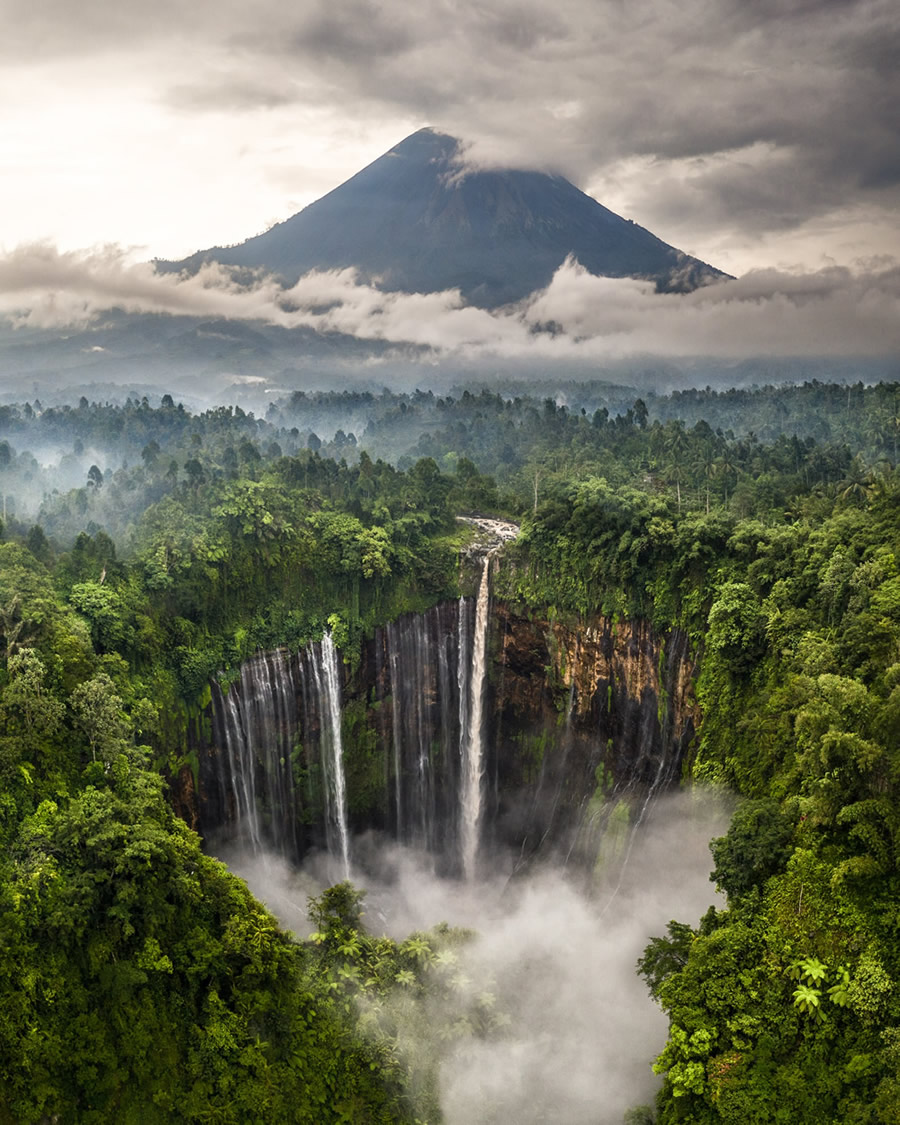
784,1006
141,981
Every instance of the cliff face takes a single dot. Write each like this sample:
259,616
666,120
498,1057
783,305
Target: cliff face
584,716
583,722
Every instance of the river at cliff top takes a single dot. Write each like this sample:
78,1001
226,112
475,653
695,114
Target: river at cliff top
500,530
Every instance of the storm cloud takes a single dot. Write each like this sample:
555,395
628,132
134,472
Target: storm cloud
742,133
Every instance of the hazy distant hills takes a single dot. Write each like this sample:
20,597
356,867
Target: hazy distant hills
196,358
414,223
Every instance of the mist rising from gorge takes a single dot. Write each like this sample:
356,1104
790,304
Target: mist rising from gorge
555,947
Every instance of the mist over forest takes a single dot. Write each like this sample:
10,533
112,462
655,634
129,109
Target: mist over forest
55,459
450,586
264,628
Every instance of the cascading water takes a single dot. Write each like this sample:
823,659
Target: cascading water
471,732
394,649
257,723
463,679
471,796
284,709
437,663
665,767
572,776
326,676
420,654
544,806
240,772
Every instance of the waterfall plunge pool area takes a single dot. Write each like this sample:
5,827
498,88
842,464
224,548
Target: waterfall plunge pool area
556,953
562,896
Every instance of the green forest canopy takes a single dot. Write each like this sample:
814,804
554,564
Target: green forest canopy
141,978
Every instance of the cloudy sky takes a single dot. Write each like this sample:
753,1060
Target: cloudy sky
758,135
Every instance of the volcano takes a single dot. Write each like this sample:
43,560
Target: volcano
417,220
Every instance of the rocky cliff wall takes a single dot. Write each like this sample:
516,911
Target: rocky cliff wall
585,716
583,722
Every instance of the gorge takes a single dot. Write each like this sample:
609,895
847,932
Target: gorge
473,726
321,669
498,768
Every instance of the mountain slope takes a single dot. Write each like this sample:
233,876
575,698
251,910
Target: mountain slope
410,222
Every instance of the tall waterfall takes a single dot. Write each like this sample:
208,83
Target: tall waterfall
256,720
436,663
436,668
284,714
278,701
463,680
326,675
585,729
421,654
471,796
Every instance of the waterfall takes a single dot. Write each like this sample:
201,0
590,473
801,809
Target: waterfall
326,676
420,655
572,777
448,659
437,667
281,706
418,674
544,818
463,669
241,772
471,797
257,723
394,645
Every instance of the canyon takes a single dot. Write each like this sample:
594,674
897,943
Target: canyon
476,727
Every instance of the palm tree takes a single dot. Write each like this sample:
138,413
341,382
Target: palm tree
726,468
858,484
705,465
883,480
675,444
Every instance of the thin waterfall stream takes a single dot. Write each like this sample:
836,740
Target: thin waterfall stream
327,676
256,719
240,772
463,669
394,649
471,795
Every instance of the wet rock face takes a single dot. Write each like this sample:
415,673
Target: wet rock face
584,715
183,797
579,719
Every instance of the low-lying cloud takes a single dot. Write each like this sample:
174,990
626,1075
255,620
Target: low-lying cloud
833,311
